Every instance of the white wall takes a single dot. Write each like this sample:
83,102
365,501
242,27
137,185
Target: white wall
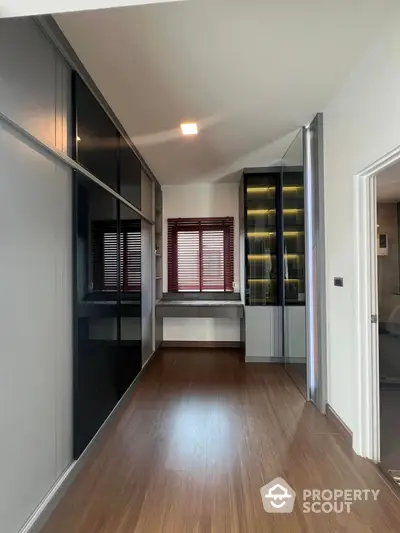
208,200
361,124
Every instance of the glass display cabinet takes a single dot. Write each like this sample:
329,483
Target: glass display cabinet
293,236
273,255
260,193
274,237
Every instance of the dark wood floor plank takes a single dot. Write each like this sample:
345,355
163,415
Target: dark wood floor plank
202,433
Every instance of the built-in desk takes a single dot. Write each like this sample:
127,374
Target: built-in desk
175,307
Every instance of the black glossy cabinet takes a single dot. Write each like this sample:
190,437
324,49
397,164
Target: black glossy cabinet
96,145
107,355
107,306
293,235
274,237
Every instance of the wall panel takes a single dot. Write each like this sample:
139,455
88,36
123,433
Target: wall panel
36,303
35,311
28,78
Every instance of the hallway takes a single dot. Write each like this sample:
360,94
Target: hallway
200,435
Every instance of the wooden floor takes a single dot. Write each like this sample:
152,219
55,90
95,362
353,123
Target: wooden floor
202,433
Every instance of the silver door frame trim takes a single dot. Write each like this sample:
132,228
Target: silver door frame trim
309,274
316,318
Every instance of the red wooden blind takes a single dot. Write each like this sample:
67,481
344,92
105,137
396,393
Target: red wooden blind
200,254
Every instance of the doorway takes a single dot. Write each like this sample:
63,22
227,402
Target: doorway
376,318
388,315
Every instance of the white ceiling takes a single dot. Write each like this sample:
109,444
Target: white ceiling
19,8
250,72
388,185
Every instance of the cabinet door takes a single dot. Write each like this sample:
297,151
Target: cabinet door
293,235
261,239
96,310
97,140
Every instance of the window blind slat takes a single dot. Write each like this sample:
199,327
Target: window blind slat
200,254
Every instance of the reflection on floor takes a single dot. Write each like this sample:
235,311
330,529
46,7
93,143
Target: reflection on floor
203,432
298,372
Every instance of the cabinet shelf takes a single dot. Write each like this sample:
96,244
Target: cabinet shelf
288,211
287,280
292,188
265,257
260,190
285,189
260,257
263,234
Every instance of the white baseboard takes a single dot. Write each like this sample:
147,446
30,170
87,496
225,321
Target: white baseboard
50,501
43,511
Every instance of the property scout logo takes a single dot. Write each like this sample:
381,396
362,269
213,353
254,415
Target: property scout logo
279,497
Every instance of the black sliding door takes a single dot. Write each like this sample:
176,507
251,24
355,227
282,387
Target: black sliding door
129,174
96,310
130,301
97,139
108,276
107,306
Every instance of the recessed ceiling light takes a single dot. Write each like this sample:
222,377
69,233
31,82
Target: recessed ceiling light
189,128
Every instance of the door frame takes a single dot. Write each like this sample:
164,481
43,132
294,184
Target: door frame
366,437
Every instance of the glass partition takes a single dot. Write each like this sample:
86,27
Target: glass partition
293,236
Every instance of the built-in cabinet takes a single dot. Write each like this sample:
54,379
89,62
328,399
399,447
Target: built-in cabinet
113,267
274,237
293,235
261,237
273,256
75,257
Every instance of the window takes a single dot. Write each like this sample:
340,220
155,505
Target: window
200,254
105,256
